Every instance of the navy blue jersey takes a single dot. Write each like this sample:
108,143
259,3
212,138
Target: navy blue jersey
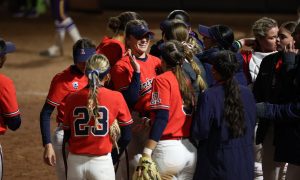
219,155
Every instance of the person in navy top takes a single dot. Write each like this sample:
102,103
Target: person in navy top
223,125
216,38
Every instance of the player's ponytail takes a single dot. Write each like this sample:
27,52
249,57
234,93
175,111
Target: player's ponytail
225,63
118,23
189,55
176,29
173,55
97,68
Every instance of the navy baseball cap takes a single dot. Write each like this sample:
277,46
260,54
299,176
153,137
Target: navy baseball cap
83,54
139,31
220,33
6,47
204,31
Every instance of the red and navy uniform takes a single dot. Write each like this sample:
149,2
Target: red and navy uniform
166,96
63,84
8,102
84,138
122,73
113,49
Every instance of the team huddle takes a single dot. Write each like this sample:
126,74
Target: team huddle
184,108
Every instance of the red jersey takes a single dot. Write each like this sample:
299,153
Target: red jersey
8,101
63,84
122,72
166,95
85,139
113,49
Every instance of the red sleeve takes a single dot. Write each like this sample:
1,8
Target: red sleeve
57,91
67,116
124,116
247,55
120,76
160,96
8,100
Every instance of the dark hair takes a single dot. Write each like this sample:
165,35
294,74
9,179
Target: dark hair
117,24
223,35
289,25
226,64
181,15
173,55
80,44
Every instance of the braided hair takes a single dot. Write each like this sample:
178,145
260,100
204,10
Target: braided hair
97,68
178,30
226,64
173,56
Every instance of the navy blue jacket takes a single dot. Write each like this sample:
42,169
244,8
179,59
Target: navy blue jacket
206,58
280,86
220,156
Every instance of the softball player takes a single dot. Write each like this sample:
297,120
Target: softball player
113,47
185,17
64,83
193,68
9,111
90,141
224,125
171,106
133,76
62,23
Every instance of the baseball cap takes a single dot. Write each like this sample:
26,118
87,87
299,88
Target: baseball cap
6,47
204,31
83,54
220,33
138,30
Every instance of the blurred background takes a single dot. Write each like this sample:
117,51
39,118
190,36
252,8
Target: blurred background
242,6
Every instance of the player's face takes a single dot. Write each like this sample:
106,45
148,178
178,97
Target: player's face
81,66
138,46
269,42
2,60
285,38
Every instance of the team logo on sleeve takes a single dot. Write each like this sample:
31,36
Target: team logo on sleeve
155,98
75,85
146,86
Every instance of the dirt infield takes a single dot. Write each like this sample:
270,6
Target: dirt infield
32,74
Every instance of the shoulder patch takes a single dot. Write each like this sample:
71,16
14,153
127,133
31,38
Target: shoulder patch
75,85
155,98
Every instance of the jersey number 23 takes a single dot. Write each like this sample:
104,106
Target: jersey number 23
82,125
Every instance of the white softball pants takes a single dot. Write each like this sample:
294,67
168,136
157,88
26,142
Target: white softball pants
57,140
82,167
175,159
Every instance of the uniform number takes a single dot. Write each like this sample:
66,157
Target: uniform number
82,126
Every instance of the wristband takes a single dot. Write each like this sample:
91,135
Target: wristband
147,151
